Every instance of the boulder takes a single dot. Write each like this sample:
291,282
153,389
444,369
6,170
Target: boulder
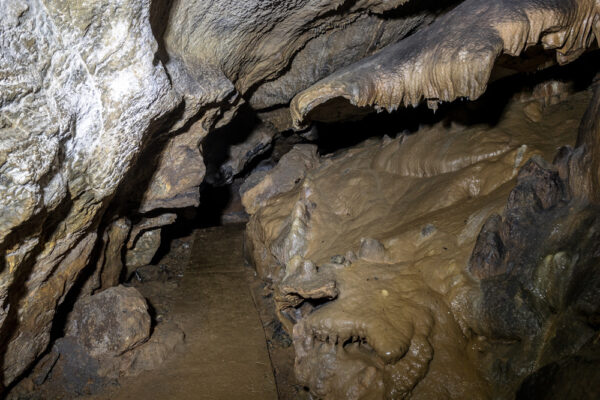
107,336
110,323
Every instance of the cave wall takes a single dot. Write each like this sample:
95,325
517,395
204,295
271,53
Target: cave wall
104,106
81,92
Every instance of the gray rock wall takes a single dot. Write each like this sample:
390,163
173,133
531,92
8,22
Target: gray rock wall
80,90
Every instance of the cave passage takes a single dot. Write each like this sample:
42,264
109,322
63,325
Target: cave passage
228,313
225,354
222,327
312,200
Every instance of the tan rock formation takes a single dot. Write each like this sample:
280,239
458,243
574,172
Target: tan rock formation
425,67
401,320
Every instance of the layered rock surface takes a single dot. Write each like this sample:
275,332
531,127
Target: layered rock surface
80,94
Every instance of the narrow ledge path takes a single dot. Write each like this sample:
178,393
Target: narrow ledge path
225,354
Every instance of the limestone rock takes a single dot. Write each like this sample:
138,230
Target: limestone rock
336,49
149,273
110,273
210,72
371,250
109,265
148,224
83,91
290,170
143,252
179,172
533,111
94,92
76,371
260,42
80,92
111,322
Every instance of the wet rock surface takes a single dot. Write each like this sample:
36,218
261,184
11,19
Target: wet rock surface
404,317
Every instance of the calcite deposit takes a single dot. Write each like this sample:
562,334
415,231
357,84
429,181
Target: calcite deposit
390,285
423,67
412,265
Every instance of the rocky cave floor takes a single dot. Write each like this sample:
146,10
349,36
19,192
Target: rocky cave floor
234,347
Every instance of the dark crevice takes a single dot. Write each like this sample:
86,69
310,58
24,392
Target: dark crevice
217,145
160,11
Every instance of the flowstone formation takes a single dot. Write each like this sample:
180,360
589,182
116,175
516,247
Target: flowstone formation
442,264
476,33
448,263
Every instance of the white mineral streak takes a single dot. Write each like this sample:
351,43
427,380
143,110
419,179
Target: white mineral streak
79,89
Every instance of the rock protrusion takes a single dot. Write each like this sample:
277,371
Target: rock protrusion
423,67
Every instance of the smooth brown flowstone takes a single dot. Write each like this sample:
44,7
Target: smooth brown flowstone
368,256
225,354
